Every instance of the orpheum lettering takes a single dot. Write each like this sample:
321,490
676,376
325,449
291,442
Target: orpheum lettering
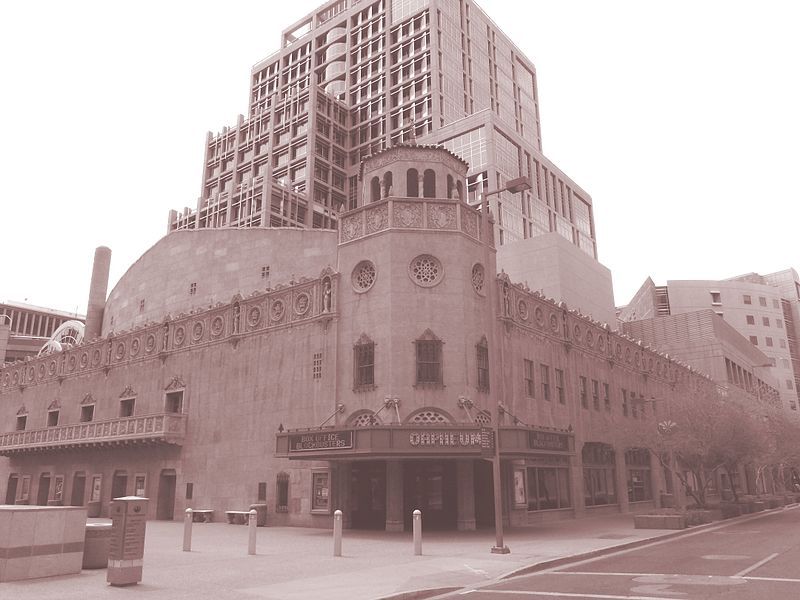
306,442
445,439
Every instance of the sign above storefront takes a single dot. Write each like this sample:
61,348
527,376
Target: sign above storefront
315,441
546,440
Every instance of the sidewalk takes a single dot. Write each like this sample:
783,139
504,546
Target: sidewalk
298,563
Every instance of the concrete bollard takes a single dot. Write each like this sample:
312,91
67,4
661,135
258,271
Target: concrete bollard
337,533
187,530
251,524
417,532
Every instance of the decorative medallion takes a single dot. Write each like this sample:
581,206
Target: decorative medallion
522,309
16,377
180,335
120,352
42,371
351,227
601,343
408,215
576,333
197,331
538,314
73,362
51,368
6,379
136,345
31,374
84,360
627,355
426,270
636,359
553,322
377,218
469,223
254,317
96,357
364,275
478,278
217,325
277,310
442,217
150,343
301,304
618,350
589,338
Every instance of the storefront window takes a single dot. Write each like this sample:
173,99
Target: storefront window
637,463
548,488
599,474
320,502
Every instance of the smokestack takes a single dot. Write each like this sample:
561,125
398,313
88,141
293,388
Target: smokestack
97,293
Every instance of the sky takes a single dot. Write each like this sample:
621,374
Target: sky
680,118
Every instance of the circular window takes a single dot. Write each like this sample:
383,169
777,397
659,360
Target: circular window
426,270
364,276
478,278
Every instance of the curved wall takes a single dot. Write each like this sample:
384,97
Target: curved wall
221,262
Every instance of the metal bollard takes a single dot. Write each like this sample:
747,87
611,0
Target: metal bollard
251,524
337,533
187,530
417,532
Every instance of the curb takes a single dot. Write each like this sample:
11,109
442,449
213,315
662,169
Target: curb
423,593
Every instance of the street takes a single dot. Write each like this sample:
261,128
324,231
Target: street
754,559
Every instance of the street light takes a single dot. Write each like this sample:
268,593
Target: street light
520,184
515,186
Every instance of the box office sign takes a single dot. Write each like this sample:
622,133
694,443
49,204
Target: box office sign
545,440
315,441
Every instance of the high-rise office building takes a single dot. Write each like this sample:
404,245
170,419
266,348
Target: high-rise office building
356,77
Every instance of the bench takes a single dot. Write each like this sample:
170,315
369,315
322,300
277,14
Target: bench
237,517
202,515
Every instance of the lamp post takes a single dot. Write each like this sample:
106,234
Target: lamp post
520,184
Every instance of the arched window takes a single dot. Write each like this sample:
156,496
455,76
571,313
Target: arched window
363,363
387,184
412,183
375,190
429,359
482,356
429,184
449,186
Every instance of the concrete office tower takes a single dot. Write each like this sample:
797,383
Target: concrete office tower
762,308
97,292
354,78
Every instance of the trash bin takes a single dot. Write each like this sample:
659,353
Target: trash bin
93,509
95,545
261,514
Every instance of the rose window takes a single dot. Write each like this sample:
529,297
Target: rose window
426,270
364,276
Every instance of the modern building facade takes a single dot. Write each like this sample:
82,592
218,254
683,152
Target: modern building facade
354,78
763,309
29,328
376,379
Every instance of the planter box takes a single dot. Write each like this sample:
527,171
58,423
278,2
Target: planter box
659,522
759,505
698,517
729,510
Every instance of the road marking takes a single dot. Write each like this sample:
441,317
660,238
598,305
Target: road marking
725,556
477,571
755,566
772,579
570,595
658,588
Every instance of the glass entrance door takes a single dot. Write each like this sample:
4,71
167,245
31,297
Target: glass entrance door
430,486
368,495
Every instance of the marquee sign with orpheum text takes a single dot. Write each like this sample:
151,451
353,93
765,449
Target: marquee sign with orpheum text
316,441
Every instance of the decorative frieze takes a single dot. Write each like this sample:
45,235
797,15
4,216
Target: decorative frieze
287,304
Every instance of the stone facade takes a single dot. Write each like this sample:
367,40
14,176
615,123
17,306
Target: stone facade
371,385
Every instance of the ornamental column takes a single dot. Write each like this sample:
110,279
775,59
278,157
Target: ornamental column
394,495
465,496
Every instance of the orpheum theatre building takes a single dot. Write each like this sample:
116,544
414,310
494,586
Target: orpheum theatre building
376,369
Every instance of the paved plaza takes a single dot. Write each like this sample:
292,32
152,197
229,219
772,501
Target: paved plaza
298,563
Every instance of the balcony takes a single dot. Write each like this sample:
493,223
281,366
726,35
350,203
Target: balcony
162,428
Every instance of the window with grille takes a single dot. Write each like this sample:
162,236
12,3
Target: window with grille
544,372
429,361
596,394
282,493
316,369
364,361
560,394
483,366
583,392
